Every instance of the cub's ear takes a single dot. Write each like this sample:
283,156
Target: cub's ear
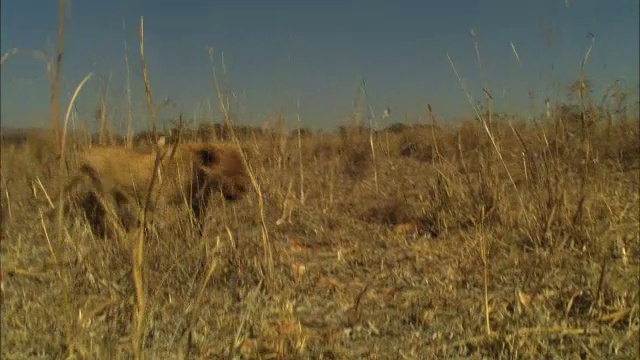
207,157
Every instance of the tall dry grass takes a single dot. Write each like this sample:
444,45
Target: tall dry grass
569,271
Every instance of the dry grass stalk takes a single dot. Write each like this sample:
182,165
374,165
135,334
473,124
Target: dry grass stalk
44,191
268,255
8,54
62,238
485,272
55,85
300,160
6,194
68,311
371,143
434,125
129,136
287,206
490,135
375,163
105,136
137,250
193,311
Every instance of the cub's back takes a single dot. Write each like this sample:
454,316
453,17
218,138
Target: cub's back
119,167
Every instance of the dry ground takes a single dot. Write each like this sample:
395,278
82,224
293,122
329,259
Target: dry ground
356,273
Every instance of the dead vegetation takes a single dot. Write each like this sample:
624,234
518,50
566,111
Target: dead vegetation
494,238
451,257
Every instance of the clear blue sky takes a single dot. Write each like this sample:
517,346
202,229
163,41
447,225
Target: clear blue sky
279,51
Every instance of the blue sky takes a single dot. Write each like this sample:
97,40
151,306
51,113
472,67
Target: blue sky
279,51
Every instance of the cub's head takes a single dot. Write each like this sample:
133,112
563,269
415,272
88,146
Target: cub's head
218,168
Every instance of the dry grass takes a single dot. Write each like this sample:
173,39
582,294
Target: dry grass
397,273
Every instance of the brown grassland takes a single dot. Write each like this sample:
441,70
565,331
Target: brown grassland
493,238
441,244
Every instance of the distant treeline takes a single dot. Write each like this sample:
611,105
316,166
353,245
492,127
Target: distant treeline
200,133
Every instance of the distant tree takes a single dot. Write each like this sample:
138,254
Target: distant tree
304,132
397,128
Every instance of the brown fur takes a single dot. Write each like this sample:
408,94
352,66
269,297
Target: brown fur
190,172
